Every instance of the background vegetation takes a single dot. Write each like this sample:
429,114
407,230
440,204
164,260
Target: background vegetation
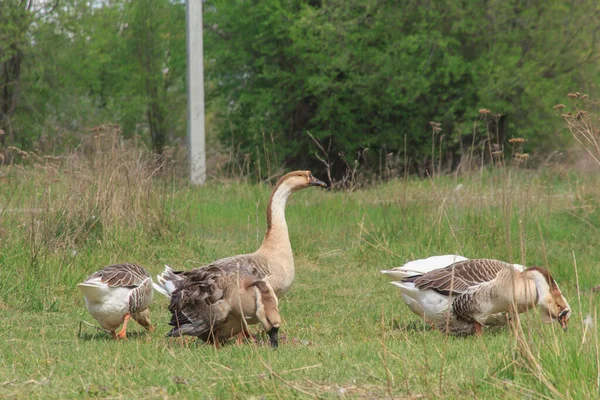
355,74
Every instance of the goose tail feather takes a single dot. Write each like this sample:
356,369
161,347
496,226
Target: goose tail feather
166,282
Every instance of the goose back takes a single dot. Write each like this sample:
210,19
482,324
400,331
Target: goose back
460,277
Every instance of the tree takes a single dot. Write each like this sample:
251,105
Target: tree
373,74
16,19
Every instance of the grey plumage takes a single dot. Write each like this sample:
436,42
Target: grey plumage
460,277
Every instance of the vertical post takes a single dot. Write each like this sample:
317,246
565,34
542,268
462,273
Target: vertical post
195,85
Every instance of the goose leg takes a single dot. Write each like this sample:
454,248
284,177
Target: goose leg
123,333
114,335
246,333
478,330
239,339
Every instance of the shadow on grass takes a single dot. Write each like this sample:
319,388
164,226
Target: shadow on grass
420,326
106,337
411,326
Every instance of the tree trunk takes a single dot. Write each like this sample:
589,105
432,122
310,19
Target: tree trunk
156,121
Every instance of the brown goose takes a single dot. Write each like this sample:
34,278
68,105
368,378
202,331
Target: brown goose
214,303
461,297
273,262
116,293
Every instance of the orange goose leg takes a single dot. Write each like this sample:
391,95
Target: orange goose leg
123,333
478,330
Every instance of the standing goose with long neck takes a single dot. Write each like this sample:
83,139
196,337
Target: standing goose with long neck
273,262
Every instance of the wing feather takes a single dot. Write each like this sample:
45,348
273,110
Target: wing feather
199,304
121,275
460,277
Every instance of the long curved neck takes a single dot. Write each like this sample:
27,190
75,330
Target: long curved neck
515,292
277,239
526,293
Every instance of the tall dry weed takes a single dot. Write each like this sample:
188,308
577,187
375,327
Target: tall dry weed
581,123
107,183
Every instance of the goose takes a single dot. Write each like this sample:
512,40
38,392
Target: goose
464,296
273,262
117,293
215,303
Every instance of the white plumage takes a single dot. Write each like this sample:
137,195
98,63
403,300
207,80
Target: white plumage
118,292
421,303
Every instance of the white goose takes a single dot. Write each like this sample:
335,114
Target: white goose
466,295
116,293
273,262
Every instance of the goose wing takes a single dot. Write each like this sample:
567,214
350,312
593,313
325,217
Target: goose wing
252,264
199,304
460,277
121,275
422,266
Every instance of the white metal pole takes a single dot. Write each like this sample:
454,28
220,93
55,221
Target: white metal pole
195,85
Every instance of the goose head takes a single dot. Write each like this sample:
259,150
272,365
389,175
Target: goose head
267,310
143,318
550,300
298,180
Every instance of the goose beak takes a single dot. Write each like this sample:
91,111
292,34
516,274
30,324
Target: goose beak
312,181
273,337
563,319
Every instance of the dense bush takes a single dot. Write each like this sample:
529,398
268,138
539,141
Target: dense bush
373,74
356,74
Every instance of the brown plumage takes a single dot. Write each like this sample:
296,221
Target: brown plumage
215,303
459,277
125,274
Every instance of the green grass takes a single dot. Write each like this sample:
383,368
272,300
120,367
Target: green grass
346,331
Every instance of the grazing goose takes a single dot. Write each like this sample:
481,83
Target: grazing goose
215,303
116,293
461,297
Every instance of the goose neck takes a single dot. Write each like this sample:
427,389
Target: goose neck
277,230
526,293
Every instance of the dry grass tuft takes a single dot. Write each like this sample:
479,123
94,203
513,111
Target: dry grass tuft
105,184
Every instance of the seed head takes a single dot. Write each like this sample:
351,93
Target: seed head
559,106
516,140
484,111
573,95
435,126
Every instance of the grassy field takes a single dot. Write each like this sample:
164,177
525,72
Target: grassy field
346,332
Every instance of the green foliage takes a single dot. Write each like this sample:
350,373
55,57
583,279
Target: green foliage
372,74
89,63
356,74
